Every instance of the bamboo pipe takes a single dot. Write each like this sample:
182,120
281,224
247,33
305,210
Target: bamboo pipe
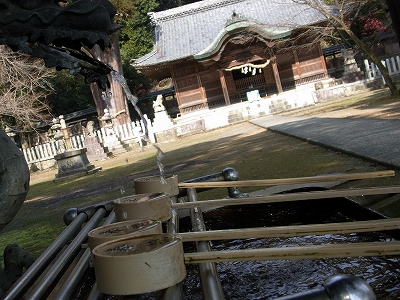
291,197
305,252
290,231
210,282
44,260
271,182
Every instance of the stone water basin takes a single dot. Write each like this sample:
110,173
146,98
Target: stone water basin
277,278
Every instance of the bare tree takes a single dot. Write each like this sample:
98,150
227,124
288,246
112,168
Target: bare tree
24,86
339,16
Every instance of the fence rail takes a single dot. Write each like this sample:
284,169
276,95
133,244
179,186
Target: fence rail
126,133
372,72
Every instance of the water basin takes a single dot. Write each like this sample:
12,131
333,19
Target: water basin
275,278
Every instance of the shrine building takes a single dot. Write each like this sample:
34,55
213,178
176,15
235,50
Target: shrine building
221,52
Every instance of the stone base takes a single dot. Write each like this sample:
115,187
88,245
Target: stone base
162,121
73,163
191,127
95,151
353,77
114,145
166,135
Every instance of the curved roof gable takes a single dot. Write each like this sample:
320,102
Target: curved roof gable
195,29
238,24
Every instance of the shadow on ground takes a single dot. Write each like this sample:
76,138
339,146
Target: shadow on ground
255,152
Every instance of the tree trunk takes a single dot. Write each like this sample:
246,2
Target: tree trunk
98,100
384,71
119,106
394,10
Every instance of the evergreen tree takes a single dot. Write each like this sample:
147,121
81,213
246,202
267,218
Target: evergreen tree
70,94
136,35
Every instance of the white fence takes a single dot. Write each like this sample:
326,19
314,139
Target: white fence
126,134
372,72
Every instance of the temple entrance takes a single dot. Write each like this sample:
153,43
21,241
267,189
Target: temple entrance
247,78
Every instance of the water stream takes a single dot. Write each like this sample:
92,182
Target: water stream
117,77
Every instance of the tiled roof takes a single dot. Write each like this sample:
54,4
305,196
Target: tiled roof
333,49
187,30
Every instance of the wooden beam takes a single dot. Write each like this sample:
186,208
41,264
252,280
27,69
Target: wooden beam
290,231
305,252
280,181
291,197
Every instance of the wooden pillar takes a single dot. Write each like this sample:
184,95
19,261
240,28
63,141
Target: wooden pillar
224,87
296,59
321,56
201,88
176,87
276,75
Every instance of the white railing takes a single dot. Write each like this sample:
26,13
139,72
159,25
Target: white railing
133,132
41,152
372,72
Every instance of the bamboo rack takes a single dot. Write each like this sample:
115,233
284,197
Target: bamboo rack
305,252
300,252
290,231
298,180
291,197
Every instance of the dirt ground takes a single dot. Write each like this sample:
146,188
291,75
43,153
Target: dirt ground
352,107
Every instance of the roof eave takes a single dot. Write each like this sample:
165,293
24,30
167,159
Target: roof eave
140,64
237,27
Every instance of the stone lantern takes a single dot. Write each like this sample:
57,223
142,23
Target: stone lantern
107,119
111,140
71,162
55,134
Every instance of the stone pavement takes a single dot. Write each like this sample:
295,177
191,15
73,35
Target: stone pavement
377,140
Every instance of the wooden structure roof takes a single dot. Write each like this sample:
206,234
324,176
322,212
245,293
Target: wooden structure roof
198,29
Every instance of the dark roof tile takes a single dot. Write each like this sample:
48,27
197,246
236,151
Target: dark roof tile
187,30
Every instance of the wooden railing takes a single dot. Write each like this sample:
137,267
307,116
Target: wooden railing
254,81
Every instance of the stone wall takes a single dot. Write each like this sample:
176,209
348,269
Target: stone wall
341,91
244,111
